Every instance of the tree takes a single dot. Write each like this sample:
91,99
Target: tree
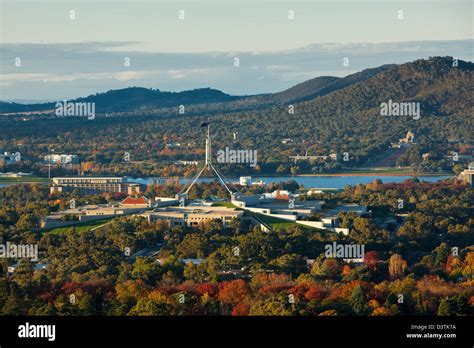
358,301
442,253
396,266
276,305
27,221
154,304
147,269
371,260
193,245
241,309
444,308
233,292
209,305
326,268
468,270
288,263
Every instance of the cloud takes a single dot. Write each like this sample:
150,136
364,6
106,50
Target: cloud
58,71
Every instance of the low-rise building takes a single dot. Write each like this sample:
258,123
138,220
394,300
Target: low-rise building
332,157
245,180
10,157
348,208
279,202
61,159
187,163
193,216
138,202
36,267
467,174
94,185
128,206
409,138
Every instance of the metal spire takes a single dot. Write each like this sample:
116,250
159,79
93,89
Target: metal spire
207,165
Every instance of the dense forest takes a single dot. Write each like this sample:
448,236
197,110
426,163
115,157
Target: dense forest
342,115
422,263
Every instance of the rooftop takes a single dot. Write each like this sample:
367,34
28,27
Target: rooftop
135,201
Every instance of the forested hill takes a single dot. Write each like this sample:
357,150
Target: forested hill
343,120
410,77
140,99
349,119
440,87
132,99
323,85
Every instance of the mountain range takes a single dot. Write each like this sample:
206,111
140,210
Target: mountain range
140,99
331,115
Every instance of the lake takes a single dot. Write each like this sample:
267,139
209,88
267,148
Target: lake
337,182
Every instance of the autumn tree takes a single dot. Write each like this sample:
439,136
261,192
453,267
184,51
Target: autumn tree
233,292
396,266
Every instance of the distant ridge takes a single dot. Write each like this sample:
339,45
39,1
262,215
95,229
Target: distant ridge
139,98
133,98
376,80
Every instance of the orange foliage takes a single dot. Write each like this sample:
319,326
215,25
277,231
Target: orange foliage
233,292
381,311
452,263
274,288
316,292
240,309
346,269
208,288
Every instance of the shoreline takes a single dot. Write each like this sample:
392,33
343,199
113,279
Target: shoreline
379,174
354,174
383,174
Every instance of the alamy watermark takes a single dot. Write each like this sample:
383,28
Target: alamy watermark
345,251
237,156
66,108
19,251
37,331
392,108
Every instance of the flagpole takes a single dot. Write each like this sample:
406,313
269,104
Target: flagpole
207,164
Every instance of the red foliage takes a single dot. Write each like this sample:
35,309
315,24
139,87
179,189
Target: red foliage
241,309
300,289
166,289
48,297
274,288
211,289
316,292
309,291
233,292
191,288
90,287
451,263
371,259
346,269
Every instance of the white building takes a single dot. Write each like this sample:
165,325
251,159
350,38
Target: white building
193,216
10,157
245,180
61,159
187,163
36,267
466,175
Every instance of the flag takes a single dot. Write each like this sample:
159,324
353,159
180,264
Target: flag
204,124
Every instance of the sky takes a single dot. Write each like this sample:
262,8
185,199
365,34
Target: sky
64,54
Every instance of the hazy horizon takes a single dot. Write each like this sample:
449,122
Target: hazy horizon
279,44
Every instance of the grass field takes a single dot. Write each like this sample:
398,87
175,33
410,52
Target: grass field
275,223
83,226
22,179
223,204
